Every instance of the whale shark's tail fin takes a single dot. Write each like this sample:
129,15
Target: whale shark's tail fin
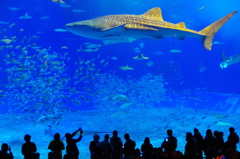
212,29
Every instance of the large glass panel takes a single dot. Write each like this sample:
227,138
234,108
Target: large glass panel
140,70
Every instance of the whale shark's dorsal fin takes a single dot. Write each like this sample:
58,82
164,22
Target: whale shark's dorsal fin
182,24
154,13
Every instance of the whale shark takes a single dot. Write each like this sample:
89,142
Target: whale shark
229,60
148,25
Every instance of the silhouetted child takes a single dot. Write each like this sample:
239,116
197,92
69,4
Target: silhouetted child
29,148
4,152
137,154
56,146
69,154
50,155
37,156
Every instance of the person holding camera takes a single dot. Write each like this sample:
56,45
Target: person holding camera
72,143
6,152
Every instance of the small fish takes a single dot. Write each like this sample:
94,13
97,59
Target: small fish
26,16
78,11
202,69
14,9
60,30
141,45
201,8
140,57
45,17
149,63
1,22
105,64
120,40
7,41
175,51
223,123
220,116
58,1
125,105
136,50
90,50
216,42
125,68
92,46
64,47
11,25
114,58
65,5
157,52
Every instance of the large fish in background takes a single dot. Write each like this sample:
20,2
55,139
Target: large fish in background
229,60
147,25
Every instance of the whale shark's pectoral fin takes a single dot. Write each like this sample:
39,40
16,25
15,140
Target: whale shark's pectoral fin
139,26
110,27
181,37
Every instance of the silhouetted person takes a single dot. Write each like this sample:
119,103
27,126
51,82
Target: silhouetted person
208,143
56,146
50,155
107,148
190,147
96,151
219,144
233,138
170,143
147,149
28,148
129,147
36,156
73,142
6,152
197,135
117,145
137,154
69,154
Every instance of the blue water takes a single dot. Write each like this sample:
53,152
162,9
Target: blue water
39,78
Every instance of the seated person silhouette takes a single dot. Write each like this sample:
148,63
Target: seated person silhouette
4,152
28,148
